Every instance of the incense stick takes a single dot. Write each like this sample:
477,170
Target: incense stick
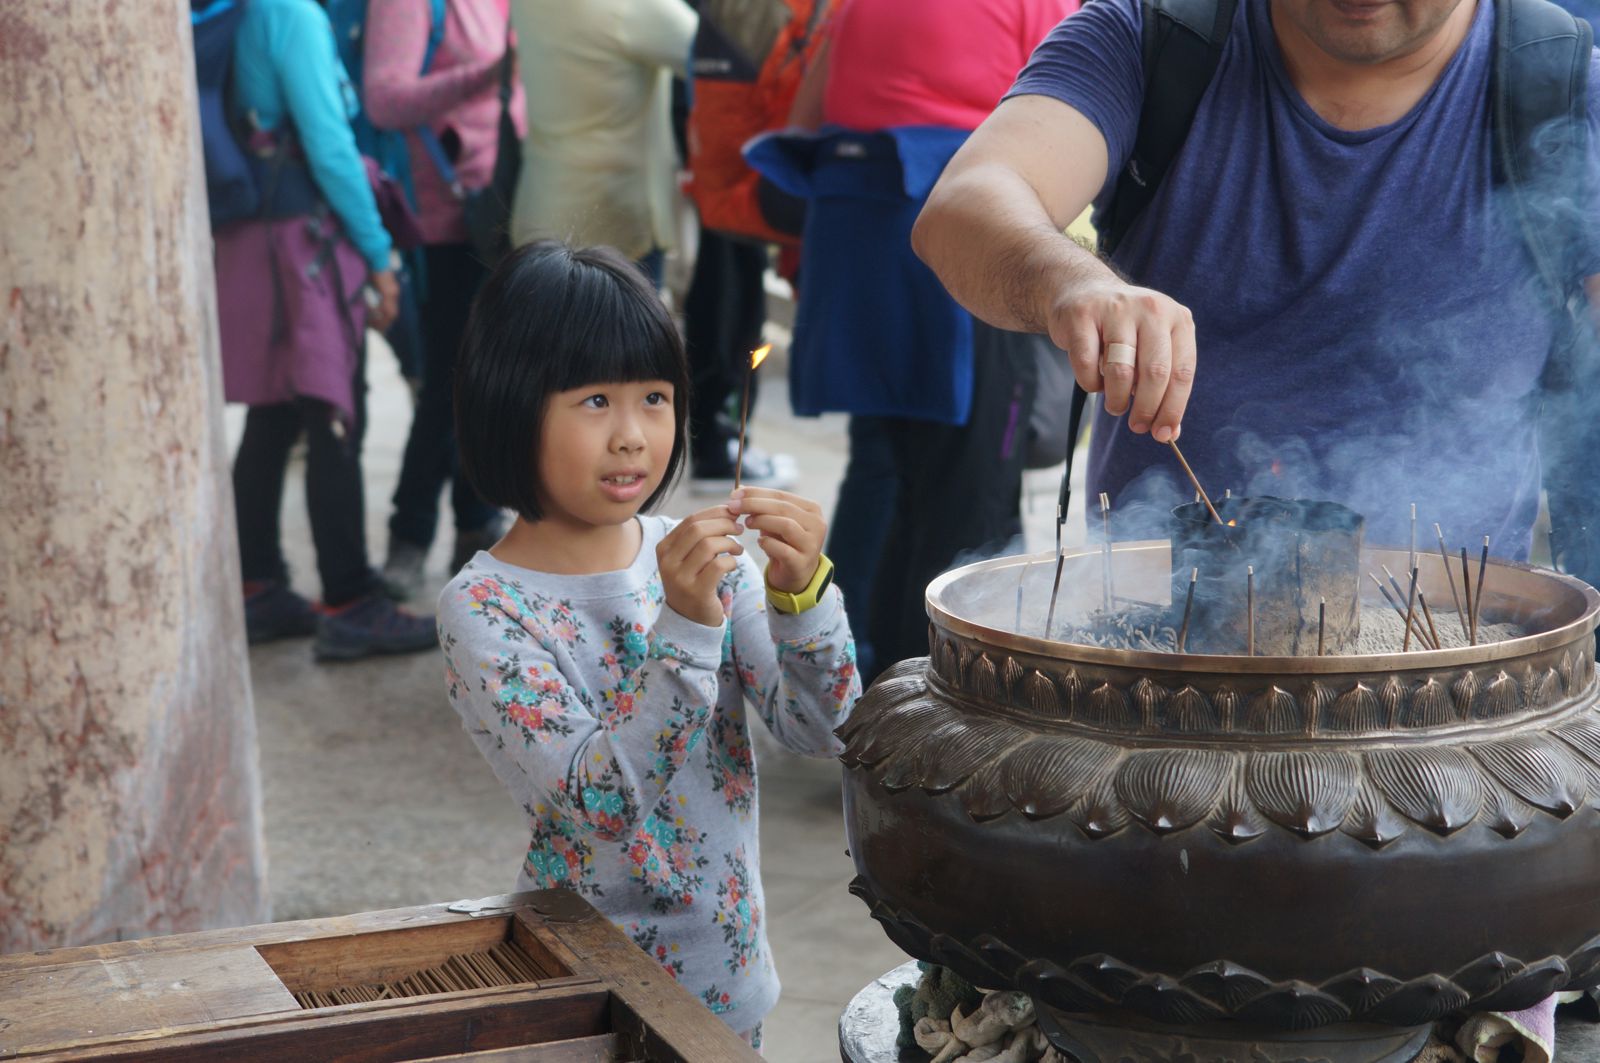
1055,588
1105,548
1449,574
1196,481
757,356
1466,591
1022,575
1250,608
1427,614
1188,607
1413,557
1411,610
1477,597
1322,622
1394,604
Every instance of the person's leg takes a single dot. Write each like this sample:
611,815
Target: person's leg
860,528
258,475
962,492
454,275
359,620
271,609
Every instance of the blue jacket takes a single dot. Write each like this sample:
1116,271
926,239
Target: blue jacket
875,331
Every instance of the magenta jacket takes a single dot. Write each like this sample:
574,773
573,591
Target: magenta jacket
458,98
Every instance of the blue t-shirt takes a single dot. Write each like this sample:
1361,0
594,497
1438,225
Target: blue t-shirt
1369,324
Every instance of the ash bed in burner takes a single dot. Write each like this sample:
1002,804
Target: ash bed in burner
1302,553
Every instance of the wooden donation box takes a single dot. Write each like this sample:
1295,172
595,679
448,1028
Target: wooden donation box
539,977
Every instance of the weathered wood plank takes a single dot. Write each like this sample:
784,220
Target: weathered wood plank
601,1049
426,1027
119,997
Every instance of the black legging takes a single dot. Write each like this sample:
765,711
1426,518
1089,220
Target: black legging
454,274
333,493
722,318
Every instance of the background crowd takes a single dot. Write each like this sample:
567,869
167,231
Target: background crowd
419,139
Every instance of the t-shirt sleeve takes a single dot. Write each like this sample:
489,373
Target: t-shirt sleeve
1092,63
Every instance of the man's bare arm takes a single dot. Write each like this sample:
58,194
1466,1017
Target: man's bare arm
992,231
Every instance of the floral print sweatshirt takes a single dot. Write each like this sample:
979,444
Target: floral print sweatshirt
621,728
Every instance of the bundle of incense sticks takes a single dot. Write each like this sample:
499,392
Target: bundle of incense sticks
503,965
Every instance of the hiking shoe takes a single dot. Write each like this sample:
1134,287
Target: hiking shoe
370,626
272,611
713,474
468,543
402,570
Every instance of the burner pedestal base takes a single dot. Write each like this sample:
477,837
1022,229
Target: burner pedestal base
1114,1038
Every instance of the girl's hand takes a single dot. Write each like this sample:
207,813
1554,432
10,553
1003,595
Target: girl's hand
792,530
693,558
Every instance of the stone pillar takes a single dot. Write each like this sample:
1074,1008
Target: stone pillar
129,787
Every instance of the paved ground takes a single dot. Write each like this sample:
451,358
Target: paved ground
375,798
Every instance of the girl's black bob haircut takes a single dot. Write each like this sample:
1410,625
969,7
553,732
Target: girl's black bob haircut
549,318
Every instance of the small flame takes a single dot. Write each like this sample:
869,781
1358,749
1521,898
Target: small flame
759,355
1233,524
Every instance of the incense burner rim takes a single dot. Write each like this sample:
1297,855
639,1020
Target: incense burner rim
945,618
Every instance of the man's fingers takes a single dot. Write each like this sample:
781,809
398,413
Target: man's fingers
1119,350
1154,372
1169,419
1081,341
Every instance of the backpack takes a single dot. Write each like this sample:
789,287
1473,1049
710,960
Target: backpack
1539,131
230,185
386,146
746,63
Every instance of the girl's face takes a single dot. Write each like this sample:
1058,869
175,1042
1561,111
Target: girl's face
603,450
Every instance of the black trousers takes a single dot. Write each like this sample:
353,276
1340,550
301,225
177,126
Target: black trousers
333,492
454,275
957,494
723,314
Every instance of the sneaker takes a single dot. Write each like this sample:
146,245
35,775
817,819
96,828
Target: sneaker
710,476
370,626
468,543
272,611
402,570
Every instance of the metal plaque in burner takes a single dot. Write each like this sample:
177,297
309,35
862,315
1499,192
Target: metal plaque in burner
1302,552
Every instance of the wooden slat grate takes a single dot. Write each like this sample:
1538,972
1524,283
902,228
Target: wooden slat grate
505,964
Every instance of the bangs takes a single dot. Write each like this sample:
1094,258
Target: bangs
604,339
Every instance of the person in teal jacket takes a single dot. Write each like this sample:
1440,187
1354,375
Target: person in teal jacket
296,288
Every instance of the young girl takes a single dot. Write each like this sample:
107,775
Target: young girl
602,660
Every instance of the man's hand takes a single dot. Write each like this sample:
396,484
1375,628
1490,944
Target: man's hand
1134,344
792,531
387,285
693,558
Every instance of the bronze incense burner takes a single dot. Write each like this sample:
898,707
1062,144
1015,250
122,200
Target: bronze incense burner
1194,846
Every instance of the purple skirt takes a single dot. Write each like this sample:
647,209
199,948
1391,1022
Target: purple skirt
290,311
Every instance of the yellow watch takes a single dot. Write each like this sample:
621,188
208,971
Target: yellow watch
809,596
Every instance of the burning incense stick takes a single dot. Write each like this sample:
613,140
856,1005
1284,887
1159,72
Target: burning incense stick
1061,559
1466,592
757,356
1449,574
1411,612
1196,481
1427,614
1105,548
1413,563
1477,596
1188,607
1322,622
1250,608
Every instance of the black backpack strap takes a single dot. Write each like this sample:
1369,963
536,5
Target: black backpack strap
1182,46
